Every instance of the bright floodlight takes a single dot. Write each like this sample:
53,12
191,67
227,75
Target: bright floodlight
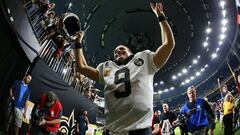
192,77
179,74
183,83
224,13
224,22
195,61
184,71
174,77
222,4
159,92
198,56
155,84
161,82
206,66
222,36
208,30
198,73
202,69
187,81
220,43
217,49
214,55
223,29
166,90
172,88
205,44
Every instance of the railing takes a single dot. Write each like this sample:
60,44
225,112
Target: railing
64,66
35,16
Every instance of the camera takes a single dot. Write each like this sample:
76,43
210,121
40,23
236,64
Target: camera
182,118
38,115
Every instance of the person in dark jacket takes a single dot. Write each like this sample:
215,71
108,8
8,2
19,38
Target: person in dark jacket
168,121
82,123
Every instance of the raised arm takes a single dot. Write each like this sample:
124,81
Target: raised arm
168,43
219,84
81,65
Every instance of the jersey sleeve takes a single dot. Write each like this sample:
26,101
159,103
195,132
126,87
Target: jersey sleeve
149,57
100,71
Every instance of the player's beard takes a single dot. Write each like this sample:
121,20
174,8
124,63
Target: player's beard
120,59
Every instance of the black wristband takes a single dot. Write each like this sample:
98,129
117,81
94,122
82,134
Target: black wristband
161,18
78,45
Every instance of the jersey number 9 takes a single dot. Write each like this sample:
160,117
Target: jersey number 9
126,80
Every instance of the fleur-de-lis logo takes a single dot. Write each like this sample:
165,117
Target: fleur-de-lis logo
67,126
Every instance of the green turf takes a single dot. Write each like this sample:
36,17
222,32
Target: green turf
98,133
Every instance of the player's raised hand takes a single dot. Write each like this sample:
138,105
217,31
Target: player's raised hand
157,9
79,36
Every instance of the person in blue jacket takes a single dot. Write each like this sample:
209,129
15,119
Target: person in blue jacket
196,110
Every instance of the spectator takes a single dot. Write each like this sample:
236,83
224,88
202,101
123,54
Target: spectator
237,112
228,107
237,80
156,130
211,126
196,109
44,5
49,19
51,25
82,123
224,91
217,109
20,93
61,45
167,121
222,88
52,108
221,113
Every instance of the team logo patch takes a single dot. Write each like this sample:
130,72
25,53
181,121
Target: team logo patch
138,62
106,72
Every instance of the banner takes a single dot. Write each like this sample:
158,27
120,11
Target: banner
45,79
